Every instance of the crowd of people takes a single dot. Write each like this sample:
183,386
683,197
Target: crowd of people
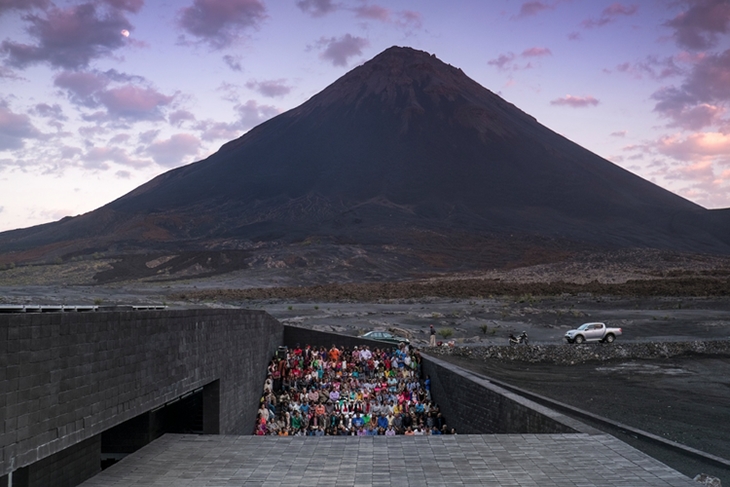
314,391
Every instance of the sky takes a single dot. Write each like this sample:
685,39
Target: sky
99,96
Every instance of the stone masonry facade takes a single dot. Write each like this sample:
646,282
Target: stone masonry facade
67,377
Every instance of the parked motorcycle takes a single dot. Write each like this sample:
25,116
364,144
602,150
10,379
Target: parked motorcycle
517,340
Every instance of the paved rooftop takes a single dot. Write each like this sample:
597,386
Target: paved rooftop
495,460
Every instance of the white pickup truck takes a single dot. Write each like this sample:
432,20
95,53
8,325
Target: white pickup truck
592,332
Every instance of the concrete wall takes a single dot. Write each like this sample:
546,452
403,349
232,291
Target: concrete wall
474,405
67,377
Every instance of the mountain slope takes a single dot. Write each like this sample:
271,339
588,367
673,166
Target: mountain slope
399,150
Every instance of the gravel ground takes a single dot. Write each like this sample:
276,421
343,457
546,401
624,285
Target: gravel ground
686,400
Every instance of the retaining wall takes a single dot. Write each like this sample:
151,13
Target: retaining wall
565,354
67,377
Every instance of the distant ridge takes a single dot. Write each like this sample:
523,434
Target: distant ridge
403,151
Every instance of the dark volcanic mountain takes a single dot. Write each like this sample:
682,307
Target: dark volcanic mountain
402,151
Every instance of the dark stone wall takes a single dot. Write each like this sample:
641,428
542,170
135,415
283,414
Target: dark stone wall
473,405
67,467
67,377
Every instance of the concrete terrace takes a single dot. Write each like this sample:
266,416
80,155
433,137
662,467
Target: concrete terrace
492,460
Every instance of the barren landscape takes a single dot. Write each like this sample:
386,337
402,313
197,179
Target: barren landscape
654,296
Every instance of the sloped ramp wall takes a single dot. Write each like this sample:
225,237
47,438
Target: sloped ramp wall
67,377
473,405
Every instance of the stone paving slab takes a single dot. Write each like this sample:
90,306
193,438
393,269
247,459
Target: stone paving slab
570,460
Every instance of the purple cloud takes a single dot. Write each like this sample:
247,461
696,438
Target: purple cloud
537,52
120,139
373,12
503,61
219,22
15,128
316,8
528,9
129,102
68,38
700,100
697,27
610,14
134,103
133,6
410,18
100,157
8,73
173,151
177,117
575,101
211,130
251,114
233,62
270,88
339,50
653,67
53,112
6,5
81,86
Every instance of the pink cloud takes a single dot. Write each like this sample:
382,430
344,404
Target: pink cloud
373,12
537,52
619,133
133,102
316,8
610,14
697,145
699,26
404,19
575,101
220,22
173,151
338,51
69,38
270,88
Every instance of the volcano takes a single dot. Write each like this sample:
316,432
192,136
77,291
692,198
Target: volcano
404,151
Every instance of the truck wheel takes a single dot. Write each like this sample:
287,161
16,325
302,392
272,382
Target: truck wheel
610,338
579,339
